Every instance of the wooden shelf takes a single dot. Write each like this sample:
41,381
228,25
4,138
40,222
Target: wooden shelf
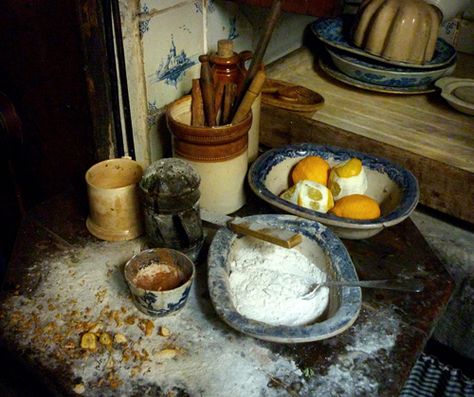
421,132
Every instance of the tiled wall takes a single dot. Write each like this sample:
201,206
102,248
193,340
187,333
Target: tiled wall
170,35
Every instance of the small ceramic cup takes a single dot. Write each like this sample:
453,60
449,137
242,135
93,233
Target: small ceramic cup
114,204
149,299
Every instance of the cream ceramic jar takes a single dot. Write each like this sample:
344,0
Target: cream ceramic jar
219,154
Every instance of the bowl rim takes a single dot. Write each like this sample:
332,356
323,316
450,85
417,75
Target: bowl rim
364,65
164,292
264,163
203,132
327,65
320,26
448,85
334,249
113,162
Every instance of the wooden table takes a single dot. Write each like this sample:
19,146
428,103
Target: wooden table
373,357
421,132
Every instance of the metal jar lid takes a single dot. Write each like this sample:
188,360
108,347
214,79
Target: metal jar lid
170,184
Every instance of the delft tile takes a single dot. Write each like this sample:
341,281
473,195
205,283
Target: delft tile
172,44
151,8
154,7
226,21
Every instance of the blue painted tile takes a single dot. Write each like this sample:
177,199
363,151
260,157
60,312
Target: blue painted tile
172,44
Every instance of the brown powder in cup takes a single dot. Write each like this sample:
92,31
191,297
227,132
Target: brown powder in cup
160,276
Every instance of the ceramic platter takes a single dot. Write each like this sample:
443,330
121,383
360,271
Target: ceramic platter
344,302
458,92
392,186
373,72
330,69
331,31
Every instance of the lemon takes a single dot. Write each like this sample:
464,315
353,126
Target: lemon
309,194
313,168
356,206
350,168
290,194
347,178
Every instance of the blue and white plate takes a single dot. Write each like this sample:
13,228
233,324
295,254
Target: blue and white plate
390,76
344,302
392,186
331,32
328,66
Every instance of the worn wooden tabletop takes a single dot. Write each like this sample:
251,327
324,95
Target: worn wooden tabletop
38,323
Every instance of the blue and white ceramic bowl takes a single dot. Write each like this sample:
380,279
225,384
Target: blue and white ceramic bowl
392,186
333,32
159,303
318,242
327,66
386,75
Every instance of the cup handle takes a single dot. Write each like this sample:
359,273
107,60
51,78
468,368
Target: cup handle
244,57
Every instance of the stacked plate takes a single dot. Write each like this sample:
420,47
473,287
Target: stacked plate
354,66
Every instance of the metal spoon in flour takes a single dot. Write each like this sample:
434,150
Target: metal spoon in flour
409,285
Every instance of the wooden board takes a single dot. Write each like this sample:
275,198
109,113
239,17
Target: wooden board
420,132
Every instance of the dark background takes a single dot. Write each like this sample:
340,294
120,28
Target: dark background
42,74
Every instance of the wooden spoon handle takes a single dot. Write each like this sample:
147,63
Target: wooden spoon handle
207,88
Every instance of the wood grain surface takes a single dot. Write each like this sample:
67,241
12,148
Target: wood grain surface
420,132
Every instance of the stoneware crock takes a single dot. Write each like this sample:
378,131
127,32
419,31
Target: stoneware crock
219,154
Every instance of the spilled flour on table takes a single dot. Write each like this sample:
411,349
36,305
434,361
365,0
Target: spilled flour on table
347,374
83,291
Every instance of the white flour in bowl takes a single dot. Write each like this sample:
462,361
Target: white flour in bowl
267,282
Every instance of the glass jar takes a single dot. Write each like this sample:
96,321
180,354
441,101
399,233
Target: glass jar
170,190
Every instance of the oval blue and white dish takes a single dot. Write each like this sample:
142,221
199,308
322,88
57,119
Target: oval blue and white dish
393,187
318,241
327,66
390,76
331,32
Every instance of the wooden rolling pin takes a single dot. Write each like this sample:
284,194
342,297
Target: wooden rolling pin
207,89
249,97
197,106
229,95
218,97
257,59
